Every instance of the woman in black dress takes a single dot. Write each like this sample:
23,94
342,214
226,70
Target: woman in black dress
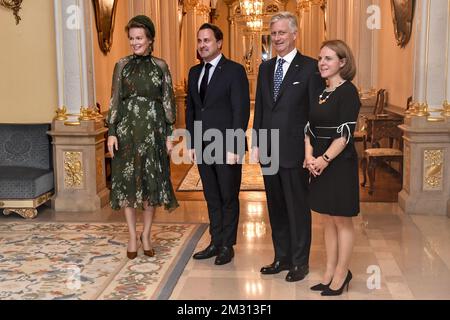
331,158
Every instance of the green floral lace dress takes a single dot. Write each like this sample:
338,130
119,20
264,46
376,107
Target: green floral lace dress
141,115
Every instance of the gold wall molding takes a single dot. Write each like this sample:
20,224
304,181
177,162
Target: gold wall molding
307,4
73,170
272,8
446,107
419,109
15,6
61,114
190,5
433,161
193,5
85,114
203,9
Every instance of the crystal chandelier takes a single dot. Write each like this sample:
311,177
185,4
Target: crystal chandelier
252,10
255,24
251,7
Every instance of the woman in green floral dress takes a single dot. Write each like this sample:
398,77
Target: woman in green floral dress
140,120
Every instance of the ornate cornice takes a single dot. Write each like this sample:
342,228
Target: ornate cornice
307,4
190,5
195,5
203,9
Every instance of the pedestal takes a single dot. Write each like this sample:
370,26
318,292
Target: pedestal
426,174
79,158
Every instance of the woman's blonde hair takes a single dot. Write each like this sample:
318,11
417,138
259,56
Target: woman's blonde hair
343,51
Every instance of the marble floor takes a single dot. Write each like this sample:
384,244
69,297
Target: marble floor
396,256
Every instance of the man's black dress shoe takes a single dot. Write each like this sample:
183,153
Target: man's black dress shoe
226,254
275,267
297,273
207,253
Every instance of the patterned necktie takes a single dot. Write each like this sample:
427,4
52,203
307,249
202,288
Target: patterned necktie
204,83
278,79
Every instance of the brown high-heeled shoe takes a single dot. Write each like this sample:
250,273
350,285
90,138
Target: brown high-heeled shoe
131,254
148,253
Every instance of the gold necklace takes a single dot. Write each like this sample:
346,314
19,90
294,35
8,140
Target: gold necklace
322,100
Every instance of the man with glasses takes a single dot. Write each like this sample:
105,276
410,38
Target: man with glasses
286,83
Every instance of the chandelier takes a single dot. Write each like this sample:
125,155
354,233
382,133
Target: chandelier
251,7
252,10
255,24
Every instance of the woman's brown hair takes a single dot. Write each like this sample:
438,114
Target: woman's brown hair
343,51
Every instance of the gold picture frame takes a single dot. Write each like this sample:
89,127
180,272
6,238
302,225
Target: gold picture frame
105,15
14,5
402,16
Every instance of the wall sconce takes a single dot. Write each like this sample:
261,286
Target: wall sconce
105,14
14,5
402,16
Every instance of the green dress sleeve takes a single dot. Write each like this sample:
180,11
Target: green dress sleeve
116,98
168,97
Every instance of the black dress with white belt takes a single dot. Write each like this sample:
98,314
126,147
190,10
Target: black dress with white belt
336,190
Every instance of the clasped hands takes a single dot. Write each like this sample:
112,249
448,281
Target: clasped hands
315,165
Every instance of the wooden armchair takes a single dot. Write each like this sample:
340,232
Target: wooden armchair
373,157
382,128
361,135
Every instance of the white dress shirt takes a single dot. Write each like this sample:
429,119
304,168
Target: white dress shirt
214,64
288,60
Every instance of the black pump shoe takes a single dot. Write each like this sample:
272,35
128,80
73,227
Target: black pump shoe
320,287
338,292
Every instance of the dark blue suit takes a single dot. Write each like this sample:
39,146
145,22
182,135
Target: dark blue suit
286,191
226,106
